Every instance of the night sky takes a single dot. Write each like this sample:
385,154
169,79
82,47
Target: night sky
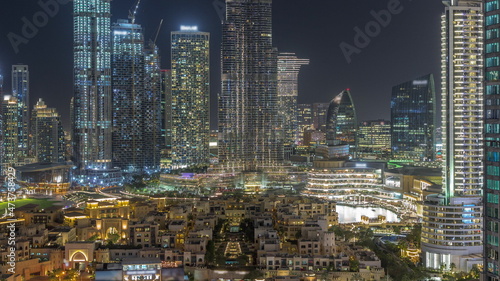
409,46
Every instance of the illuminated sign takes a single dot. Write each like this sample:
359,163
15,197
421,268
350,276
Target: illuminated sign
189,28
141,272
420,83
141,277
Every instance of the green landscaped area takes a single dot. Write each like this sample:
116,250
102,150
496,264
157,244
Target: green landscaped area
43,203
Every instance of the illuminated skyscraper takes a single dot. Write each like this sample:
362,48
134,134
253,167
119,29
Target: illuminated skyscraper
304,121
319,111
190,97
249,124
127,62
48,134
21,91
413,111
492,142
166,82
92,78
2,151
452,222
374,139
341,121
10,118
166,127
288,90
151,108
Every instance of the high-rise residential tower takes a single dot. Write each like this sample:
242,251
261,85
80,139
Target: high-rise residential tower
190,97
166,124
151,108
92,78
2,151
166,82
10,121
21,91
492,142
413,111
452,221
250,134
127,62
48,134
341,121
288,74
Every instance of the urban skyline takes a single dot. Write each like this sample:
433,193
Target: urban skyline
317,82
144,186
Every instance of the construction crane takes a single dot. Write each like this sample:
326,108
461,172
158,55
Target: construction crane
158,31
131,15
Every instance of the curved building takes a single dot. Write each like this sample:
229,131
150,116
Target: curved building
452,227
341,121
452,233
413,109
349,184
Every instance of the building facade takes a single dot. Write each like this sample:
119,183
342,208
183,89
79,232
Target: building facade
374,139
47,134
413,111
21,91
288,74
151,108
128,96
10,130
92,78
452,222
249,125
341,121
492,141
304,121
319,112
190,98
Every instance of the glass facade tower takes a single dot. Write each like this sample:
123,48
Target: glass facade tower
319,111
48,134
21,91
413,111
92,84
374,139
288,74
190,97
304,121
341,122
128,96
492,141
453,221
152,107
250,134
10,121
